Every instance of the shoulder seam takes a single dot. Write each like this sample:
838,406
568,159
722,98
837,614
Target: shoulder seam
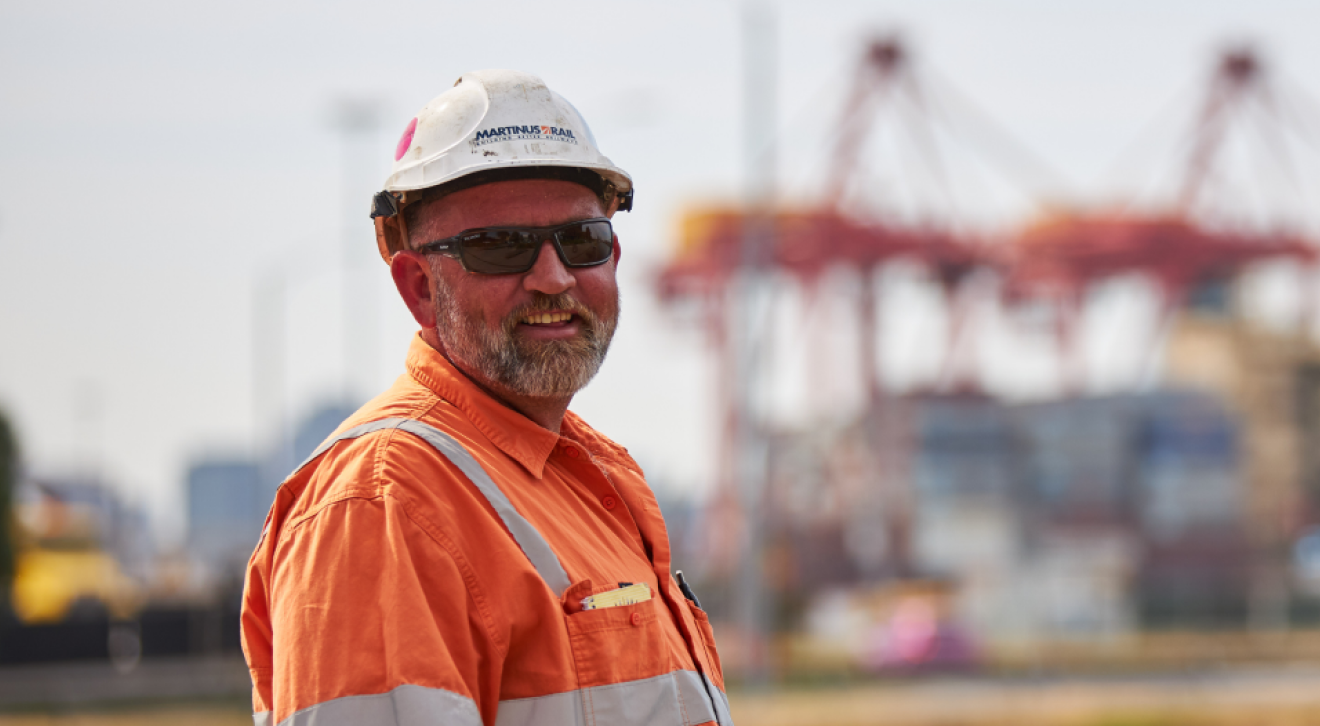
344,496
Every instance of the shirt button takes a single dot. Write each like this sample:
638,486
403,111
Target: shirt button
572,452
636,619
609,503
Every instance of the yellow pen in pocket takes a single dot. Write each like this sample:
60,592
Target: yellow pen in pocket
629,595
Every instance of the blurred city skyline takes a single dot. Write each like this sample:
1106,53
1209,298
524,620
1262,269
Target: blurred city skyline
166,171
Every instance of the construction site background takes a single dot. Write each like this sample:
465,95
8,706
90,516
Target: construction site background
919,547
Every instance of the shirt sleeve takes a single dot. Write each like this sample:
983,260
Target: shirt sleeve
373,620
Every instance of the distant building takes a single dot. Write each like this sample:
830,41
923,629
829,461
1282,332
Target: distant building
1073,517
228,497
316,428
1271,380
227,503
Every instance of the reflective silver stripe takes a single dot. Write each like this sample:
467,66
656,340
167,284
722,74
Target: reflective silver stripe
261,718
353,433
404,706
721,701
529,540
532,543
668,700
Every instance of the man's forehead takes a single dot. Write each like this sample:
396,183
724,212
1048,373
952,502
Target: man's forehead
520,202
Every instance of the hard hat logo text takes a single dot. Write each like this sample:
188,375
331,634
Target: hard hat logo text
532,133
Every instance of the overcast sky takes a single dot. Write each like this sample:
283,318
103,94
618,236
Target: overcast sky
167,167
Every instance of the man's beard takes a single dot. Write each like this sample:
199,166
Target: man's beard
532,368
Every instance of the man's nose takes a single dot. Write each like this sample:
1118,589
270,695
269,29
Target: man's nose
548,274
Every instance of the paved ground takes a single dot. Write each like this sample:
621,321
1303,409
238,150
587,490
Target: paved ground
212,693
1238,697
67,685
178,715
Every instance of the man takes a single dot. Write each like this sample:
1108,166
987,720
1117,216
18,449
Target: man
464,550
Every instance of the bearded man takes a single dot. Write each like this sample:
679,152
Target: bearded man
464,550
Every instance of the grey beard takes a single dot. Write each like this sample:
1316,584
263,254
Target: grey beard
536,369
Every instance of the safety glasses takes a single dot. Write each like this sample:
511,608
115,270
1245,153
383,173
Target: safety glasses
509,250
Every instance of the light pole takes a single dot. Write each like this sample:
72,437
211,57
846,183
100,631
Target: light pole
269,396
357,121
748,331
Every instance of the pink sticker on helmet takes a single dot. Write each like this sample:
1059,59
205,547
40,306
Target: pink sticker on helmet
405,141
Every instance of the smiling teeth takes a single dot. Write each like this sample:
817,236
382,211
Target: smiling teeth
546,318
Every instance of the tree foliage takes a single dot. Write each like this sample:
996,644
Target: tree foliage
8,483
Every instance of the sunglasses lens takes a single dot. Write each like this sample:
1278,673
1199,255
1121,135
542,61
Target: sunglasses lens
506,251
499,251
587,243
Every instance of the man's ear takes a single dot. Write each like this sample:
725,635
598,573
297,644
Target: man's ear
618,251
412,277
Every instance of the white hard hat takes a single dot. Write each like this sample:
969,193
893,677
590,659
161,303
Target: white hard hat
492,125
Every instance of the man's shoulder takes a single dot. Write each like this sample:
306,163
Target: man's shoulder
370,456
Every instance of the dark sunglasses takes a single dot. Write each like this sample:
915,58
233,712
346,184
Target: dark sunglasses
509,250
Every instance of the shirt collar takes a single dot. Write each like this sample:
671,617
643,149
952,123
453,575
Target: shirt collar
520,438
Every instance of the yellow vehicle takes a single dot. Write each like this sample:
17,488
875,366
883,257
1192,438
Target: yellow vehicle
61,573
52,585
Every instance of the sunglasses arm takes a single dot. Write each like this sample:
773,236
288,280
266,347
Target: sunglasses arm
391,229
391,236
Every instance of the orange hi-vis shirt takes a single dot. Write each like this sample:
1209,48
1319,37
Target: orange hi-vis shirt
428,565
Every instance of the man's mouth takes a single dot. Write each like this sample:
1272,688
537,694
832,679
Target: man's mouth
546,318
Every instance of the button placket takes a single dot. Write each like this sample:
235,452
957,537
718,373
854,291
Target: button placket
598,483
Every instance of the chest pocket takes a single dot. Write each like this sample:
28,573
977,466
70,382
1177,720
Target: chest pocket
615,644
